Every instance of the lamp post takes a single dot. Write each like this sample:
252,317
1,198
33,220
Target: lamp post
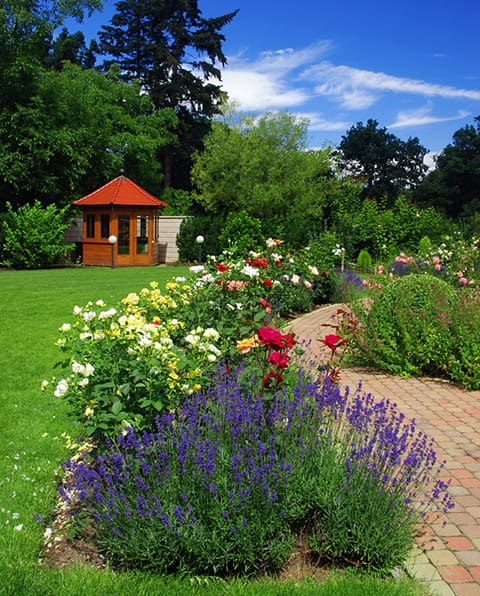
113,240
200,240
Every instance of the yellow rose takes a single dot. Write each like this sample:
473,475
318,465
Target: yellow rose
245,345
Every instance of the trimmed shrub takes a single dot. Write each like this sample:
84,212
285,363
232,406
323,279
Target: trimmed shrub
408,328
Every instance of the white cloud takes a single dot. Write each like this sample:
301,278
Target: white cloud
258,91
429,160
318,122
423,116
270,81
358,89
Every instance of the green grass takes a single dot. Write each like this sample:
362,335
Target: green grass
34,304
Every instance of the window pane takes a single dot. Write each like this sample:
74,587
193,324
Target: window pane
90,225
105,226
142,234
123,234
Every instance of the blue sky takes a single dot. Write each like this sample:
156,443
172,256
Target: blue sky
414,66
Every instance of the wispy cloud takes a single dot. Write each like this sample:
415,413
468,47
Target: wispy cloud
355,88
254,90
423,116
319,122
270,82
327,94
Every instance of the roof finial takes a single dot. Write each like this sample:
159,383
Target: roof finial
122,172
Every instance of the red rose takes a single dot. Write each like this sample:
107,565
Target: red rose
271,377
268,283
289,339
279,359
333,341
271,338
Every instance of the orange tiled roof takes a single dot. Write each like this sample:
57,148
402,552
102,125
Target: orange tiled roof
120,191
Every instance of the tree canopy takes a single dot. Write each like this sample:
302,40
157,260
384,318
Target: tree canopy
261,166
77,130
382,162
174,51
454,185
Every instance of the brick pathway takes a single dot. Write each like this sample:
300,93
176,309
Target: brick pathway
448,557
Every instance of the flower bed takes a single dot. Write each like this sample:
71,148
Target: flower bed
213,446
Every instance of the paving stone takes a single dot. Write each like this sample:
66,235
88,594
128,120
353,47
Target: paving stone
459,543
443,557
440,588
454,574
466,589
470,558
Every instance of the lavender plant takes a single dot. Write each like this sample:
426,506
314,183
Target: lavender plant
221,486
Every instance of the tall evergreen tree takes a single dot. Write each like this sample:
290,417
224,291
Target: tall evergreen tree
174,51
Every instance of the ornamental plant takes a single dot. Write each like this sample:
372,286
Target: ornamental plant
221,485
124,365
419,324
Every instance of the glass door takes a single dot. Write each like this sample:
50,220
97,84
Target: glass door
142,234
123,234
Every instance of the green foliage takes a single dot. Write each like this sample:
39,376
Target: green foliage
424,246
288,298
260,166
464,361
407,328
453,186
33,236
78,130
191,227
241,234
180,202
419,324
384,232
364,261
382,162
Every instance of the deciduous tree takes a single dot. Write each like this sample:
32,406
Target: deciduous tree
382,162
261,166
454,186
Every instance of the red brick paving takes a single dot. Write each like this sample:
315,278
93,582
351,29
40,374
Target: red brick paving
452,417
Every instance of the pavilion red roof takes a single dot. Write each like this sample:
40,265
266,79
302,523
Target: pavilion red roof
120,191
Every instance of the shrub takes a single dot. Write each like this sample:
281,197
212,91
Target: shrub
290,297
220,486
126,364
408,327
241,234
33,236
424,246
464,363
364,261
190,228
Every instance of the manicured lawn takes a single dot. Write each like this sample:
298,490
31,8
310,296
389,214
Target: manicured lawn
34,304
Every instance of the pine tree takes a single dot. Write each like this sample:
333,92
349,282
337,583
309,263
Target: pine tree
175,52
